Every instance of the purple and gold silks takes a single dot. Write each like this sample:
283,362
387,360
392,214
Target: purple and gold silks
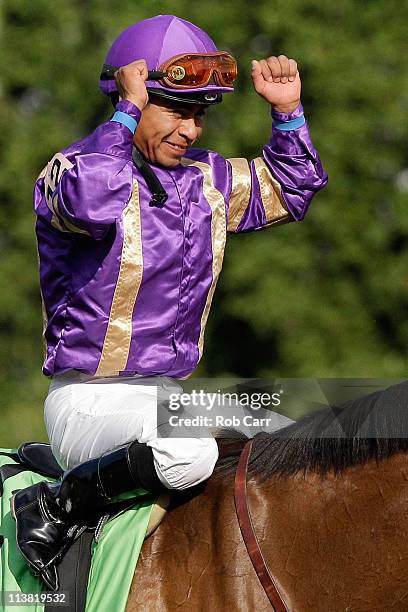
127,287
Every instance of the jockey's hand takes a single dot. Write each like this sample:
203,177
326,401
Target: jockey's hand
277,80
130,81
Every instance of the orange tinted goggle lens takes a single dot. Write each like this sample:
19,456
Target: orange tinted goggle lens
196,70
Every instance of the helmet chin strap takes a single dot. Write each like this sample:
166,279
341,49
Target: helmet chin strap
159,194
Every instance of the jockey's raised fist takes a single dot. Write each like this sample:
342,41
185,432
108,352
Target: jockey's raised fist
130,80
277,80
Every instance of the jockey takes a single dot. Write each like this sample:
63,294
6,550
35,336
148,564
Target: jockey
131,229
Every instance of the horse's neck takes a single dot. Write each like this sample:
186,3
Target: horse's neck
329,543
335,541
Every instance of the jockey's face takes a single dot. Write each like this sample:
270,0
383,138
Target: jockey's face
166,129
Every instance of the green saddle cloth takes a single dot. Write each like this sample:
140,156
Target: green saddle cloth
113,560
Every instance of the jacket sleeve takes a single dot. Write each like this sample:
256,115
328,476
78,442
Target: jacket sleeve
277,187
86,192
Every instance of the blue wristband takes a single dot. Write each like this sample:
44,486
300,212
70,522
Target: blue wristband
289,125
125,119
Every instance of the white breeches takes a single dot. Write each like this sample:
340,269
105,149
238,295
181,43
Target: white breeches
86,417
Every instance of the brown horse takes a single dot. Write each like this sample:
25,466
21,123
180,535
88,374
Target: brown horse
329,504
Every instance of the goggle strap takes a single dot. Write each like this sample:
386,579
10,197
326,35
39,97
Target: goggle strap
108,73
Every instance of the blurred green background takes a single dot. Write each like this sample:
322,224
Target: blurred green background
323,298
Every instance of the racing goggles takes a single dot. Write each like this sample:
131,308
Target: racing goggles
192,70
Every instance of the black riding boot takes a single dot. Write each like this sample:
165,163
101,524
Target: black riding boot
48,515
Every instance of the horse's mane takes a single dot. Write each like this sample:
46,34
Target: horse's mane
334,438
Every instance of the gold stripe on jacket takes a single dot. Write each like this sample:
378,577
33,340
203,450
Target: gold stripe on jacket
218,235
242,197
271,194
116,346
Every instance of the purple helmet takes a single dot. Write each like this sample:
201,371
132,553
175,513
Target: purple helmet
156,40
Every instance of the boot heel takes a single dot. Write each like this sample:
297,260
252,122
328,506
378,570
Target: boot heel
23,499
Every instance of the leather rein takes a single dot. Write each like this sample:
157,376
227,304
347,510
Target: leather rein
248,532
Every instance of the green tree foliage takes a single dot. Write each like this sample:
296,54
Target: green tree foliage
327,297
